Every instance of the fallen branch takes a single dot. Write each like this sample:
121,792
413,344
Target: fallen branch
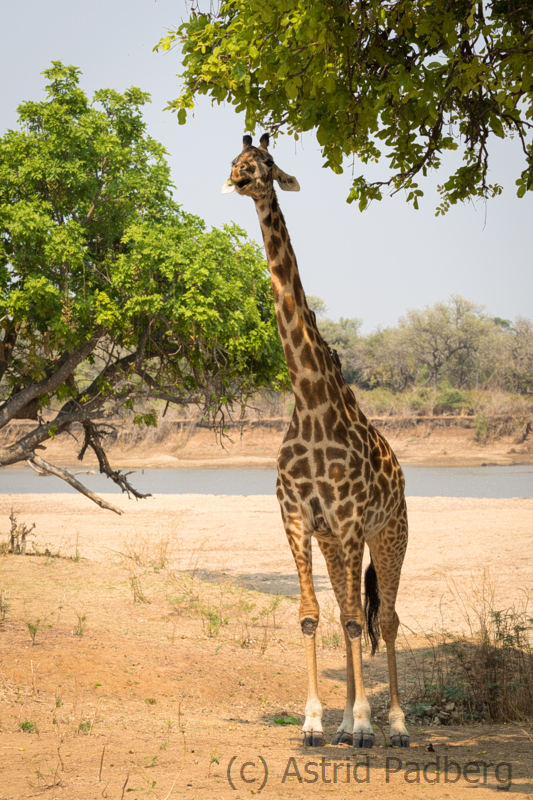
38,462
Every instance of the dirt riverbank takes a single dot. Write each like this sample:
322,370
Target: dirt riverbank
437,441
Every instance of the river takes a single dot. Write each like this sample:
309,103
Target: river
491,481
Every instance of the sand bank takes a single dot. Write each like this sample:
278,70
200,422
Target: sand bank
451,540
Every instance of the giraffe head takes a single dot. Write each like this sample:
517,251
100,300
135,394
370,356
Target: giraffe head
253,172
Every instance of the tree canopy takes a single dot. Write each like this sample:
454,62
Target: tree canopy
113,297
447,344
407,79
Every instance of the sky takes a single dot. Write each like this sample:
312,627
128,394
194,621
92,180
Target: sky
373,265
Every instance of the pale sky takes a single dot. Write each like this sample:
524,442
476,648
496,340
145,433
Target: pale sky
374,265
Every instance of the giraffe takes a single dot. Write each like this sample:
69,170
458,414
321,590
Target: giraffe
338,478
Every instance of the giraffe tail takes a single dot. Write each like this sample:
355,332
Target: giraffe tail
372,603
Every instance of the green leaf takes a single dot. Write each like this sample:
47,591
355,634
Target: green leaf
291,66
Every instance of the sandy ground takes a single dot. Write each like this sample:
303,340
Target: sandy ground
450,539
121,699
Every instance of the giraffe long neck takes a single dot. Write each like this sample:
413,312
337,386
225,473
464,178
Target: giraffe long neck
315,379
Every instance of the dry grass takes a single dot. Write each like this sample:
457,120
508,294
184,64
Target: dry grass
483,675
226,610
181,423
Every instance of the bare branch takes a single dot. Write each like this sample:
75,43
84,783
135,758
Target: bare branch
24,447
50,469
93,440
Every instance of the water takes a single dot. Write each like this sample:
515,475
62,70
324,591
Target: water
516,481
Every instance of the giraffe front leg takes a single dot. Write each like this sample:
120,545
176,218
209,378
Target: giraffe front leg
332,552
312,732
363,733
300,544
345,730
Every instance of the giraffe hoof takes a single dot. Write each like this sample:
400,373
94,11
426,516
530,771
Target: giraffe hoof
361,739
310,739
343,738
399,741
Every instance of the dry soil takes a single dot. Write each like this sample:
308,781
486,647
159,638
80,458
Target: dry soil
161,697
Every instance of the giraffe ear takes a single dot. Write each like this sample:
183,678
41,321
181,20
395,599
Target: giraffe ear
286,182
228,187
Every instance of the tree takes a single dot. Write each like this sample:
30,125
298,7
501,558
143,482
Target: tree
407,77
342,336
317,306
388,361
446,337
112,296
521,350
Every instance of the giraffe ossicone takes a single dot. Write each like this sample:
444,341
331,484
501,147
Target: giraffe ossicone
338,478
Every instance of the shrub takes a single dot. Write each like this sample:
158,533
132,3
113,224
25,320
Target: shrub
450,401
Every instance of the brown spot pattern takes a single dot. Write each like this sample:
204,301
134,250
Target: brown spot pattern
337,475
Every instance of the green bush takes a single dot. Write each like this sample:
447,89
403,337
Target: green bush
28,727
450,401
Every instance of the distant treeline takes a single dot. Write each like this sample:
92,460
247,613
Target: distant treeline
453,344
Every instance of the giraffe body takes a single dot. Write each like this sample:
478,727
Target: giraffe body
338,478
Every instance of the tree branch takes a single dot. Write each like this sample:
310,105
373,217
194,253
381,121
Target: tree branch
16,403
23,448
6,347
91,211
93,440
50,469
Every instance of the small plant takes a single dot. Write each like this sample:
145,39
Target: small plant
214,758
225,609
28,727
76,556
84,727
138,594
332,641
80,627
213,622
151,701
481,429
4,605
33,628
143,551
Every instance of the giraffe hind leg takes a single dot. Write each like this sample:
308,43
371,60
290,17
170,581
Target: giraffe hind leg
352,551
387,550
